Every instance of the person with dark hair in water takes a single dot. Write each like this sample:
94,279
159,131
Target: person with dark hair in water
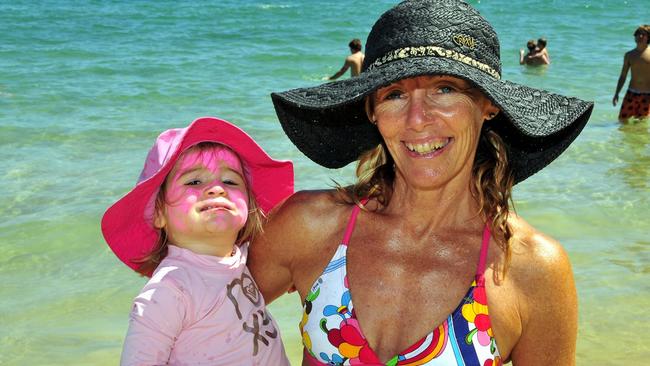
535,56
636,103
541,47
353,61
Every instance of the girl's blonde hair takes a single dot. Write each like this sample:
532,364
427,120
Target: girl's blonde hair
491,184
251,229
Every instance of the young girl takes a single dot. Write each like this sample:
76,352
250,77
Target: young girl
200,198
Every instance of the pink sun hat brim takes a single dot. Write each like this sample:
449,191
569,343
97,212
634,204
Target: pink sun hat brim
127,225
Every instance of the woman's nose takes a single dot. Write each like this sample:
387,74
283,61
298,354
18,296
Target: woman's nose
418,112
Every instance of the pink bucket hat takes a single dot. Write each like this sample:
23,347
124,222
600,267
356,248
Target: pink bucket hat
128,224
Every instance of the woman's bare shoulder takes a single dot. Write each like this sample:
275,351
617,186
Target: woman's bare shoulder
310,199
545,295
540,268
535,252
305,217
304,206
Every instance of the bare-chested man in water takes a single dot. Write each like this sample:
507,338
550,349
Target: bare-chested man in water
352,62
535,56
636,102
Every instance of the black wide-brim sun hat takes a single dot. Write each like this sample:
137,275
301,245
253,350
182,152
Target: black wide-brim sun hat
328,123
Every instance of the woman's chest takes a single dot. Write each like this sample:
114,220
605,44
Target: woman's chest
386,306
336,329
397,300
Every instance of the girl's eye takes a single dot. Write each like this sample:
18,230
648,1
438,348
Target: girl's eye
193,182
230,182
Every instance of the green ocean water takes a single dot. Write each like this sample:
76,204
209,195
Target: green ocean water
86,86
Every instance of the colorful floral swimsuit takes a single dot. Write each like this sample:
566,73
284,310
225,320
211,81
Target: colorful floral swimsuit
331,334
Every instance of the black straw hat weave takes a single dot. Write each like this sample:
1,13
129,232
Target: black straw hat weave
329,125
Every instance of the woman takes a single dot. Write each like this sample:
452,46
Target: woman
402,267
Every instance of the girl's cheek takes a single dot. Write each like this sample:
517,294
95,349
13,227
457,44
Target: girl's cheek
190,200
187,204
181,201
240,200
177,222
174,193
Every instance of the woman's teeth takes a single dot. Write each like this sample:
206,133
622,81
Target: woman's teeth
426,148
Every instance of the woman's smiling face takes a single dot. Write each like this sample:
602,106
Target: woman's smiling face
431,126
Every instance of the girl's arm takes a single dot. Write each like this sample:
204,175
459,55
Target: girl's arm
156,320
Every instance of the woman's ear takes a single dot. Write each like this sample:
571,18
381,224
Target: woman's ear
491,111
370,106
159,221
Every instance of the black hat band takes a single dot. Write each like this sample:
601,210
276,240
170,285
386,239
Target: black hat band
435,51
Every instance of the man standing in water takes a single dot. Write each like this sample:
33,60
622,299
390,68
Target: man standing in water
636,102
354,61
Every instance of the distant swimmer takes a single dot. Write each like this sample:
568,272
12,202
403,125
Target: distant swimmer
534,57
636,102
541,47
352,62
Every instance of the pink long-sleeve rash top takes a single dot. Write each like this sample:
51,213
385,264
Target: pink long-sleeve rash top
202,310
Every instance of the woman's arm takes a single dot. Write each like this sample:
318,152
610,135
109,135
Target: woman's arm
548,304
290,243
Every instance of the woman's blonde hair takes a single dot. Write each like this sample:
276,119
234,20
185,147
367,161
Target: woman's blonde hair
491,186
251,229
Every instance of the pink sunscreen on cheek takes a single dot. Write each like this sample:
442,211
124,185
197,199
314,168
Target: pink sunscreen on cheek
192,183
219,161
181,197
180,210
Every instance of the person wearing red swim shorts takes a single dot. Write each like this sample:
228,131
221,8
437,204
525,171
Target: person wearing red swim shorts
636,102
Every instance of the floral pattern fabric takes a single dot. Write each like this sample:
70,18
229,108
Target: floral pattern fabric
332,336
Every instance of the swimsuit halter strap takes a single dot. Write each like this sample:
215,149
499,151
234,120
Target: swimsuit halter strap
480,279
353,219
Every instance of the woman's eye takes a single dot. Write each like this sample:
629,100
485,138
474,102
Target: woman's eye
393,94
446,89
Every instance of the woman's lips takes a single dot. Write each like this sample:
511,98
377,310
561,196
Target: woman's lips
427,148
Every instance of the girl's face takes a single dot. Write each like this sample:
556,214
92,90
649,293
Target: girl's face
206,198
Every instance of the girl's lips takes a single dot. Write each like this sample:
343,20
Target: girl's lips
213,205
213,208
